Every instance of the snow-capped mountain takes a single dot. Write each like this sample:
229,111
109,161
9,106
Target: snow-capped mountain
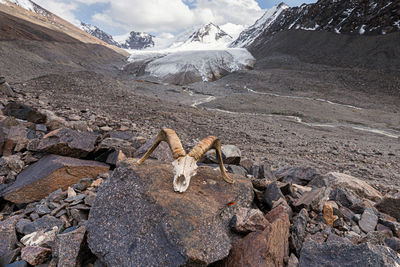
97,32
28,5
369,17
135,40
250,34
209,36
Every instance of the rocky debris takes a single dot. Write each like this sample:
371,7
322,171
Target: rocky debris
49,174
329,217
193,227
8,235
42,224
14,136
70,246
390,206
248,220
263,248
340,180
23,112
162,152
298,231
230,155
297,175
337,253
368,221
273,194
35,255
5,88
67,142
40,238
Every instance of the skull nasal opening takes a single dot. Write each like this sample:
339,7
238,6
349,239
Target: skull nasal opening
181,179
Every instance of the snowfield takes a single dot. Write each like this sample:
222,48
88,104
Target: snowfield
187,66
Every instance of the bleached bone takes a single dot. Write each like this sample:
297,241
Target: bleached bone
185,165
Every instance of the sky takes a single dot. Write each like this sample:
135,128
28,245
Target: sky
160,17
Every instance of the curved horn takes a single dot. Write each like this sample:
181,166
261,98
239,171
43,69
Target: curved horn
207,144
169,136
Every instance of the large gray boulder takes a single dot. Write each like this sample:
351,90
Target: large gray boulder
337,253
138,220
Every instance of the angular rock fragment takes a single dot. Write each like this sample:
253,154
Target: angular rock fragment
71,247
312,199
35,255
297,175
368,221
231,154
67,142
262,248
41,237
162,152
390,206
49,174
8,235
339,180
23,112
346,254
272,193
43,223
138,220
298,231
248,220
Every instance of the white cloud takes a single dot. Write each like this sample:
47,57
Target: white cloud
175,15
61,9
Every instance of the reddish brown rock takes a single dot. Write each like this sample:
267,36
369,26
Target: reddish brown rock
67,142
49,174
35,255
328,214
263,248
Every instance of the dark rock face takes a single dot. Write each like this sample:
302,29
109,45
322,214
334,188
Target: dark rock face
345,17
298,231
8,235
23,112
138,220
346,254
390,206
49,174
138,41
297,175
41,224
67,142
35,255
70,246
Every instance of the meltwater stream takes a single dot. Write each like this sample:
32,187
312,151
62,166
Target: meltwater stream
391,133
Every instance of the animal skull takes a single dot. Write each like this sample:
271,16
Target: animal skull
184,169
185,165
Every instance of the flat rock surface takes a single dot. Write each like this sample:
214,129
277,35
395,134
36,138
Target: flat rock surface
49,174
68,142
138,220
346,254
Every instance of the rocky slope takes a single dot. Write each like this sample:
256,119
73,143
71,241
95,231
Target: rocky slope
98,33
32,13
361,17
81,194
252,33
136,41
